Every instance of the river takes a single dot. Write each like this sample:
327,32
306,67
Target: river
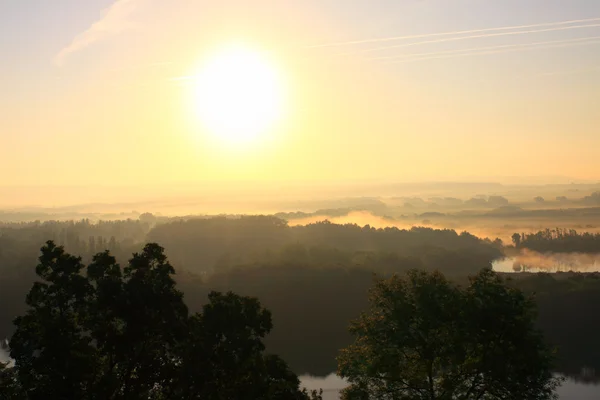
531,261
332,384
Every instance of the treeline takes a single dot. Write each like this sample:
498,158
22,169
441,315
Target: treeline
208,245
558,241
205,244
428,258
80,237
134,229
20,242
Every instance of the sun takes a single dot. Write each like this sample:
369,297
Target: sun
238,95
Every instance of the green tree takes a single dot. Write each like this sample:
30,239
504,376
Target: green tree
106,332
426,338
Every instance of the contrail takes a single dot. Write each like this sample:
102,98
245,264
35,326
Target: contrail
572,71
554,73
580,43
561,28
474,49
504,28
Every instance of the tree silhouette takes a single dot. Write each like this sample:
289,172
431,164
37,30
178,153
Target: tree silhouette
106,332
561,241
425,338
516,239
9,387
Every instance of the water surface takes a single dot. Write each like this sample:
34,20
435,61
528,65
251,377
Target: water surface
332,384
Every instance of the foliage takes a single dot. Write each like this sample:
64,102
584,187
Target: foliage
226,345
559,241
106,332
9,387
425,338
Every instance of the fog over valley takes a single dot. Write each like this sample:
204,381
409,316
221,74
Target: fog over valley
299,200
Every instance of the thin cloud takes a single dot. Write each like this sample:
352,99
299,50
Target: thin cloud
571,71
509,50
527,77
454,33
114,21
453,39
407,56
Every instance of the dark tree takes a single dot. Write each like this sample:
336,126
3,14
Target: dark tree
53,352
104,332
425,338
9,387
516,239
226,345
562,241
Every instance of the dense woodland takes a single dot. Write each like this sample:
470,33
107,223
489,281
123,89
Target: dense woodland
208,245
314,279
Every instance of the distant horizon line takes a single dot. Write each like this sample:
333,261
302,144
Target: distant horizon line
497,180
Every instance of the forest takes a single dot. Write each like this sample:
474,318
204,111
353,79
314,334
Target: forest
314,278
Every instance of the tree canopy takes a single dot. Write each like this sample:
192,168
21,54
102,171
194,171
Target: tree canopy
559,241
425,338
106,332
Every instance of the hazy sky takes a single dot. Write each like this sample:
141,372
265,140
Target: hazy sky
97,91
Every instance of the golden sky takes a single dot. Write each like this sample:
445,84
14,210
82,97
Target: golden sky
102,92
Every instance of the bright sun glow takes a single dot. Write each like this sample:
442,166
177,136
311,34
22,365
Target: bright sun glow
238,95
